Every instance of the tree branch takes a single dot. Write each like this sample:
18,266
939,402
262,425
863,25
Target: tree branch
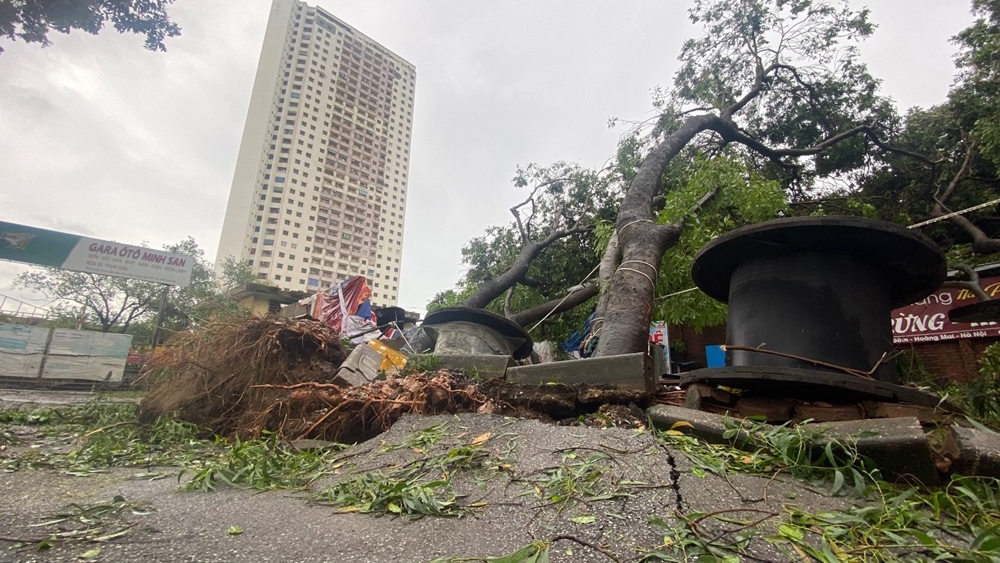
731,133
508,300
981,242
971,282
758,84
576,296
697,207
493,288
939,202
525,227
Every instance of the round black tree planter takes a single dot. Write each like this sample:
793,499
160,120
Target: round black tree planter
821,288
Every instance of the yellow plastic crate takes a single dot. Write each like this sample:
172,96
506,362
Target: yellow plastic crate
391,359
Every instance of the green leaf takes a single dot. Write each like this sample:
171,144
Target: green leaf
90,553
588,519
979,426
987,541
656,520
531,553
112,536
838,481
616,515
922,537
149,476
235,530
791,532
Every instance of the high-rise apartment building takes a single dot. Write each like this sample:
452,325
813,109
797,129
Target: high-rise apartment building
319,192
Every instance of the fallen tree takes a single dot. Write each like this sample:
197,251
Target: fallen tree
779,81
783,81
256,375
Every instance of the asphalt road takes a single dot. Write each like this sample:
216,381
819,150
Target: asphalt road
285,526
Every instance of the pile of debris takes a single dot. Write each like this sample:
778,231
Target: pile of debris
274,374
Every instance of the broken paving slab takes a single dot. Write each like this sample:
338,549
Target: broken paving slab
705,425
627,371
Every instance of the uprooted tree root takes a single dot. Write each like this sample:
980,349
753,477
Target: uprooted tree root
210,377
257,375
351,414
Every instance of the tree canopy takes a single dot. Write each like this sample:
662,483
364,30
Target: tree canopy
771,113
32,20
949,155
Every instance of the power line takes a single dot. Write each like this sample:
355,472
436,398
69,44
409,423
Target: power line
954,213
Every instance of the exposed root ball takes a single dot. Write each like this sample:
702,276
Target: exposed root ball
208,377
259,375
352,414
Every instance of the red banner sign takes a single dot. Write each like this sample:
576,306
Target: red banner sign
927,320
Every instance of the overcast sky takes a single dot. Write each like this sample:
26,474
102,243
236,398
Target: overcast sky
100,137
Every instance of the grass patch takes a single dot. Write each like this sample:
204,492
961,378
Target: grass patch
420,364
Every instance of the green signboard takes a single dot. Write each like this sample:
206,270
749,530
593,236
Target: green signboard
31,245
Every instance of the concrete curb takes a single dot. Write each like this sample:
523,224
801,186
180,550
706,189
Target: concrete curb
978,452
898,446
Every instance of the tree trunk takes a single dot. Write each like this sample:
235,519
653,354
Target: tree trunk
609,261
629,305
571,300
